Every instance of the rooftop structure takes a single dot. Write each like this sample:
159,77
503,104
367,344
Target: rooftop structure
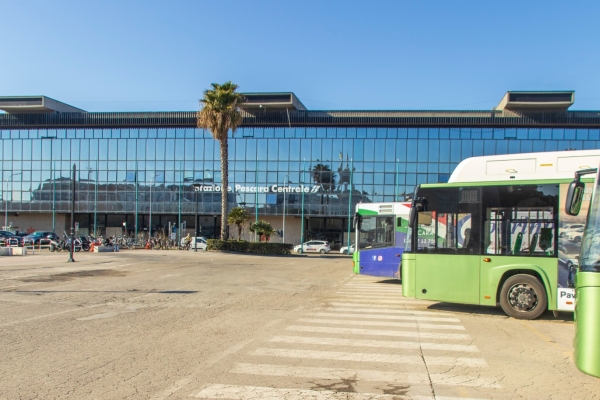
35,105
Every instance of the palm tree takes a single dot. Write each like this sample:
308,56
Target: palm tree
220,113
238,216
262,228
323,176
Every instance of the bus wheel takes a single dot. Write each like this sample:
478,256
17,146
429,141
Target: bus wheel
523,297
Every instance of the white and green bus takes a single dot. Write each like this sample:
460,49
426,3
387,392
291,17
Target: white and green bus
498,233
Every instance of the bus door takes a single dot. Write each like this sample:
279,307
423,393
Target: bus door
449,261
380,246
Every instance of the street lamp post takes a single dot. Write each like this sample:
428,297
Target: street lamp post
284,190
196,190
11,199
350,208
302,220
96,201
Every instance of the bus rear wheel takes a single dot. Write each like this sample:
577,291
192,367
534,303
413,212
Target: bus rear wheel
523,297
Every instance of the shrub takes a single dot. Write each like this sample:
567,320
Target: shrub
241,246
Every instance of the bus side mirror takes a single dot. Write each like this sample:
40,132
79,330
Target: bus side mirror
574,197
411,216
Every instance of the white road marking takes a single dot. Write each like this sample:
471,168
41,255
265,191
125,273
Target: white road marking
374,343
350,286
373,296
384,301
361,308
395,317
382,323
185,381
373,332
370,357
362,375
387,308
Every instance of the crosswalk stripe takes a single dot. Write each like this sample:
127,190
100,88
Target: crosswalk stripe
362,308
395,296
365,292
372,316
374,343
387,308
382,323
375,285
384,301
374,332
370,357
362,375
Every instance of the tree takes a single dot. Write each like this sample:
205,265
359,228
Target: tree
238,216
262,228
220,114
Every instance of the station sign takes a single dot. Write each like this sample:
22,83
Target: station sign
260,189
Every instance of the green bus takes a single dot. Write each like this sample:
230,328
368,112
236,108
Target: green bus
498,234
587,280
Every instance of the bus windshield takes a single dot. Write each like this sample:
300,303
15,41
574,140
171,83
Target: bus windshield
590,254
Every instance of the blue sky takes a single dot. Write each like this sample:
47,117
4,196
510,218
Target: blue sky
160,56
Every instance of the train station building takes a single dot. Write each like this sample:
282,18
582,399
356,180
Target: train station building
137,170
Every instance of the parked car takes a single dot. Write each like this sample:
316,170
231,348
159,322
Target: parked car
36,237
575,235
313,246
564,232
10,239
201,243
344,250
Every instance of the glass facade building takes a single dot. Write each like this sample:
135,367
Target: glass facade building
131,163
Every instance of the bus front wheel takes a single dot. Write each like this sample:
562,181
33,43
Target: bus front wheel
523,297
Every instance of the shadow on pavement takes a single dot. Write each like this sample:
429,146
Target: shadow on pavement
487,310
109,291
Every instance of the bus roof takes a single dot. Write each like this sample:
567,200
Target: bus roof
544,166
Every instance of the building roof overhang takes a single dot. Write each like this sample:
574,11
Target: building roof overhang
34,105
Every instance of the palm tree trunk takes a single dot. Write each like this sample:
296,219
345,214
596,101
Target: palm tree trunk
224,186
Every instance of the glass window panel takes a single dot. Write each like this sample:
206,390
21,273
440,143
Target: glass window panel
401,150
273,146
502,146
284,149
250,149
434,150
569,134
477,148
326,154
467,149
558,134
422,153
413,133
389,149
514,146
170,148
103,149
209,149
180,147
113,146
489,147
411,150
262,153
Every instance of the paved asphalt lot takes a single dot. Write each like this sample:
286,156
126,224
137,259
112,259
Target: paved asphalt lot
181,325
